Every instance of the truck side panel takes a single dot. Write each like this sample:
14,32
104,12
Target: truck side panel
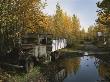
36,51
42,51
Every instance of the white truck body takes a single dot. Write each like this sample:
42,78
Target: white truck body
58,44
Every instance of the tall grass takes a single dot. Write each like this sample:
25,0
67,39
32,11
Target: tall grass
25,77
19,77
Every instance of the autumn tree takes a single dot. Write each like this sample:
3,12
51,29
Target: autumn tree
91,32
66,26
83,34
75,27
104,12
18,17
104,18
58,20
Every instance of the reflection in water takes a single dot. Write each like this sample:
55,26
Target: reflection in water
86,73
71,65
90,69
59,77
54,72
104,71
79,69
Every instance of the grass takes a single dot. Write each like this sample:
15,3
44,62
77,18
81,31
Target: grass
70,53
72,48
67,50
25,77
19,77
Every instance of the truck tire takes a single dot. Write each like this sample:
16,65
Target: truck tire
29,65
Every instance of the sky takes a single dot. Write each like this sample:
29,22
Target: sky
84,9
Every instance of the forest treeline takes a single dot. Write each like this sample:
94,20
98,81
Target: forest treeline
18,17
102,23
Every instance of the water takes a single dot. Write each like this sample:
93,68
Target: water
87,70
78,69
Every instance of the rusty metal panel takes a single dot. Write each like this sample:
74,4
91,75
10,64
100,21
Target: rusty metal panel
42,51
36,51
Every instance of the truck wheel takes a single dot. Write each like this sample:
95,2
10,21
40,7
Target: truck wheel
29,65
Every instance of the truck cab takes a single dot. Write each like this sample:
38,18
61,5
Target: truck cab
37,48
33,48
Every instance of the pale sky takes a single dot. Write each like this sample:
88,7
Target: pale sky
84,9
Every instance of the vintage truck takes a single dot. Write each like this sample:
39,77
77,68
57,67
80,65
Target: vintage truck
33,48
